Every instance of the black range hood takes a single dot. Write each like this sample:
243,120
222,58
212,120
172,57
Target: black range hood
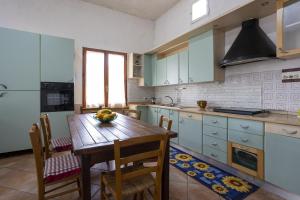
251,45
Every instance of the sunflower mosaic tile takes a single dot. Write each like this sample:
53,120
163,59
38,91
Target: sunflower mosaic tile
228,186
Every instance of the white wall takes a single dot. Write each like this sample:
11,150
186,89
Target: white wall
177,20
90,26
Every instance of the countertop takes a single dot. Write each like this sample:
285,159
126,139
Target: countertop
286,119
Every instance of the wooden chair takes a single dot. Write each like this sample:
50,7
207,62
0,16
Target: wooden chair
63,170
136,114
166,120
56,144
133,180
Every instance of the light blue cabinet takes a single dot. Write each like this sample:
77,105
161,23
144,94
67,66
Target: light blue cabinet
57,59
183,67
152,116
190,132
282,161
149,70
247,126
19,110
161,72
144,113
19,60
174,116
59,123
204,56
172,69
162,111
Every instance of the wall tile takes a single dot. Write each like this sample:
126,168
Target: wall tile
254,90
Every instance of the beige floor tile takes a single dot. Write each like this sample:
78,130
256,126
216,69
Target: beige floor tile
177,175
19,180
178,191
10,194
262,194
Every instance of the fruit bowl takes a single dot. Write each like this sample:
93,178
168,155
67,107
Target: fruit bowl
105,116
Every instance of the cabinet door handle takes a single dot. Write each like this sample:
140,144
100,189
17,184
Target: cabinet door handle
2,94
214,122
290,132
214,133
214,144
4,86
214,155
190,116
244,140
244,127
181,121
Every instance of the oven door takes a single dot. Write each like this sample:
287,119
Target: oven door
246,159
57,97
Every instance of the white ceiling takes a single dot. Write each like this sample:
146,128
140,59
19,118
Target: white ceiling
148,9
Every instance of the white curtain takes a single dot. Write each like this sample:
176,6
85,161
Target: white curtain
94,79
116,87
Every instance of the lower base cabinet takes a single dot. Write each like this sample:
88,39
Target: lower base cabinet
144,113
59,124
190,131
174,116
152,116
19,110
282,161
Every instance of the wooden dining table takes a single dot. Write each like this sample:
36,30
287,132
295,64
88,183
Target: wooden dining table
93,143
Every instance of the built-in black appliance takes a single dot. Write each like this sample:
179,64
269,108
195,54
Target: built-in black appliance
240,111
252,44
57,96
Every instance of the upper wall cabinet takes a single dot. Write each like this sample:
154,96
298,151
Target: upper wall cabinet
149,71
172,69
161,72
205,52
57,59
288,28
19,60
183,67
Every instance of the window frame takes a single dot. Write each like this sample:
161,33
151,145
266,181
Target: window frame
106,73
196,20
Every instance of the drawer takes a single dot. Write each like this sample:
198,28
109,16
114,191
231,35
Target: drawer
215,132
285,130
248,126
215,121
246,139
215,154
215,143
190,116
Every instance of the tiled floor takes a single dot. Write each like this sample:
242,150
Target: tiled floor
18,182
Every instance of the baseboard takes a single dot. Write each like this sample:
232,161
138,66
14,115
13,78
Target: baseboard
15,153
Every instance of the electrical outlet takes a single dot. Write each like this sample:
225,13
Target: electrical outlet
290,75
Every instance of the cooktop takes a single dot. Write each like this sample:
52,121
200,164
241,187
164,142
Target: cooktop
240,111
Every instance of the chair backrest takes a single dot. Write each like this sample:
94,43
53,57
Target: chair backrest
37,146
46,128
166,120
157,154
136,114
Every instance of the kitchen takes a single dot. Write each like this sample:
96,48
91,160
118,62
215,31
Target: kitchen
180,60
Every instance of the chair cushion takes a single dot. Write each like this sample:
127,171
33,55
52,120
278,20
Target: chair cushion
61,167
61,144
131,186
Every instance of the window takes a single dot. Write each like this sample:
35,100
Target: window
199,9
104,78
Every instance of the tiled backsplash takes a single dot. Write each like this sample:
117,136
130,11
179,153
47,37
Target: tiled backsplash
136,93
253,90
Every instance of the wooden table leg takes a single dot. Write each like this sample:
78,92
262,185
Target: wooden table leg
85,177
165,175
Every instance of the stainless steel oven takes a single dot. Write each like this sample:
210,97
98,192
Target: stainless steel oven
57,96
247,159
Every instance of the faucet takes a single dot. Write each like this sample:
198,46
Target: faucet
172,101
